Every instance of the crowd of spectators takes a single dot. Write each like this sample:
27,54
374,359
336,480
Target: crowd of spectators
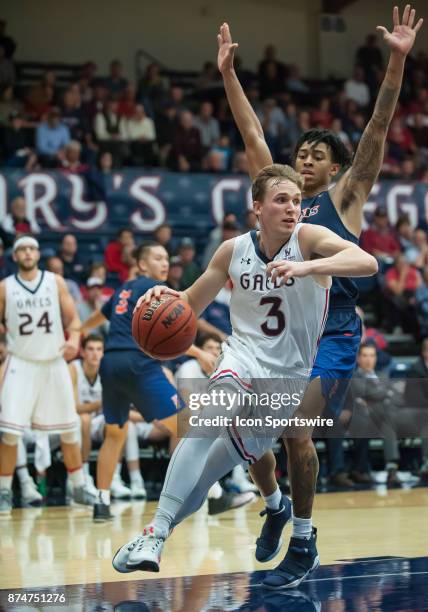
157,122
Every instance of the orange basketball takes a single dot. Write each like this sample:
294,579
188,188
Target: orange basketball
165,328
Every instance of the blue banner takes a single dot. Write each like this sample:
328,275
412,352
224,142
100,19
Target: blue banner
144,200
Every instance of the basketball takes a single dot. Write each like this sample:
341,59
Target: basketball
165,328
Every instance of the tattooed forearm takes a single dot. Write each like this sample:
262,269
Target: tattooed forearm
385,106
303,472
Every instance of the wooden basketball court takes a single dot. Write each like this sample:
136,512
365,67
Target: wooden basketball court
380,534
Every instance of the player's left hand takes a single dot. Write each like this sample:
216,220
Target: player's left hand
286,269
207,362
402,37
70,350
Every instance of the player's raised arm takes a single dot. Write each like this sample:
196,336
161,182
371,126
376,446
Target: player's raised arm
353,188
249,126
327,254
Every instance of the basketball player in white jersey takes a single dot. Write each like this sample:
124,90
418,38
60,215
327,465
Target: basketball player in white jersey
87,393
36,386
276,273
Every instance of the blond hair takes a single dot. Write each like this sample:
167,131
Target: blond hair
274,171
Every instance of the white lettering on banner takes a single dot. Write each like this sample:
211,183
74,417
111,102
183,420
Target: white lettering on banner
395,207
78,203
3,197
149,200
370,207
217,201
40,191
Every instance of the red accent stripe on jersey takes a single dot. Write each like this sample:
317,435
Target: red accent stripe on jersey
348,334
235,375
12,425
71,425
247,455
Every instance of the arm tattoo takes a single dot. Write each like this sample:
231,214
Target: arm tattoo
369,154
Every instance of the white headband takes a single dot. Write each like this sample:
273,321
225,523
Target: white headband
25,241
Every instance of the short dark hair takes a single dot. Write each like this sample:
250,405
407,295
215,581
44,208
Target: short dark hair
122,230
202,338
142,249
339,153
92,338
365,345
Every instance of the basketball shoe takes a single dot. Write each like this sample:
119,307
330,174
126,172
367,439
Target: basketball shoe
138,490
5,501
118,489
239,481
301,559
30,496
229,501
142,553
269,543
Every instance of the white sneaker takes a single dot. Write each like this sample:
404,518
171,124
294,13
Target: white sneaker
119,490
90,485
5,501
138,490
146,554
120,559
240,480
30,494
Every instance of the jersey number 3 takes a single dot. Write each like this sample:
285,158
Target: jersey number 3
274,311
122,305
27,321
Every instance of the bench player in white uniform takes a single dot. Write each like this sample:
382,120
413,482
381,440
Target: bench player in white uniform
36,388
281,277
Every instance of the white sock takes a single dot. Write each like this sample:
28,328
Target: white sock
135,477
274,500
302,527
215,491
23,474
6,482
103,496
117,472
76,477
86,468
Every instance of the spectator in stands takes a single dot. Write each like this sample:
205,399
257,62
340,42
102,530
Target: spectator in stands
294,81
209,77
175,273
17,222
374,337
71,163
72,114
8,44
7,266
98,270
273,123
401,283
322,117
115,83
418,124
96,104
153,86
400,139
216,318
7,69
142,136
110,130
336,128
207,125
127,102
240,163
93,301
369,57
55,264
245,77
42,96
163,236
166,123
215,161
356,89
272,73
17,144
229,229
8,104
292,129
416,396
251,221
422,303
98,177
191,270
187,151
51,139
224,149
373,403
379,240
117,252
419,256
390,166
404,232
68,254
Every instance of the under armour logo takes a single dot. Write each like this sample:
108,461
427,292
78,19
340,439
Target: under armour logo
246,260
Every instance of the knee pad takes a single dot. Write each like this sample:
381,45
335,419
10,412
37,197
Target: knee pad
70,437
10,439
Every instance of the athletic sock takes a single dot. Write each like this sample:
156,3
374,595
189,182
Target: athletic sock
216,491
135,477
302,527
6,482
23,474
117,471
274,501
103,496
86,468
76,477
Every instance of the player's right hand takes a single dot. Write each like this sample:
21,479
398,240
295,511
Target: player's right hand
155,292
226,49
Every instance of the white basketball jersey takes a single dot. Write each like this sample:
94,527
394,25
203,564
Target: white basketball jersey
33,318
86,391
280,325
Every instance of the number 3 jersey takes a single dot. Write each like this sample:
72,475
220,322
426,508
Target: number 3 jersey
33,318
279,325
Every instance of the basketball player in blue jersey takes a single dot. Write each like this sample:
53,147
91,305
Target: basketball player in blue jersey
129,376
319,156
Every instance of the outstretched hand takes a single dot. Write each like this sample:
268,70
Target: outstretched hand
226,49
402,37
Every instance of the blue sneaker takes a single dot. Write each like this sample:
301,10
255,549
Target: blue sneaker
301,559
270,541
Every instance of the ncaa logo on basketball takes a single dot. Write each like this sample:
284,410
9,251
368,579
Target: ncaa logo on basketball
169,320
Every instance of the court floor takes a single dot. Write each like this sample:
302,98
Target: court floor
373,547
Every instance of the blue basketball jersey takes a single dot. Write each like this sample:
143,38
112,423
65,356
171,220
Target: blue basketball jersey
320,210
118,310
